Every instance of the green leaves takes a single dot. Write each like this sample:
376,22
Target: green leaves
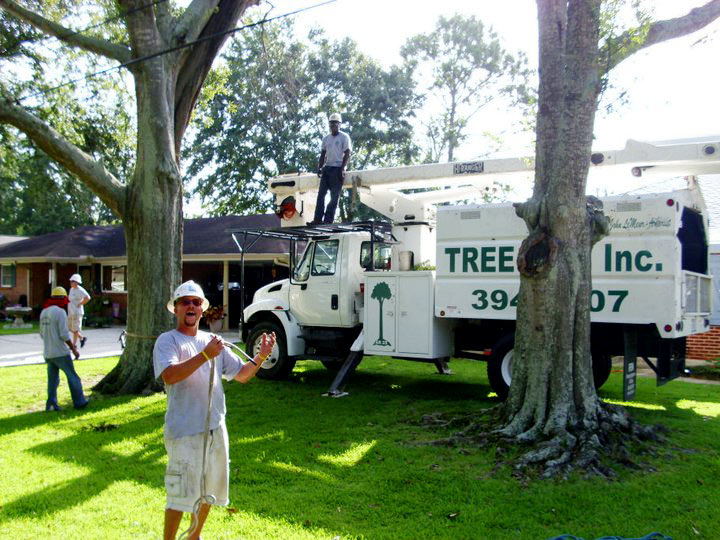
265,112
465,68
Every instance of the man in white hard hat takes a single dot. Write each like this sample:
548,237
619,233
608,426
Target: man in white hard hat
334,155
56,350
184,358
78,298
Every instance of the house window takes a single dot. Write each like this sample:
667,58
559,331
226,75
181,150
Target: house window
114,278
7,275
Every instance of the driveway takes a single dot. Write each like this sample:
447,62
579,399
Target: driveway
26,349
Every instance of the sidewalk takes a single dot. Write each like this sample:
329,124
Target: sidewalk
25,349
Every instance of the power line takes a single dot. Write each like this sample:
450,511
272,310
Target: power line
174,49
96,25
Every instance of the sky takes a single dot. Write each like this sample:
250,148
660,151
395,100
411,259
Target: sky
670,87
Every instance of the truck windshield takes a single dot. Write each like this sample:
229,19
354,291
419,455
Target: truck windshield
381,255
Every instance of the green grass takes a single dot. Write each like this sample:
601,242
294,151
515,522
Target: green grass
7,330
309,467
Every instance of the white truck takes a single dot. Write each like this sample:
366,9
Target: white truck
359,283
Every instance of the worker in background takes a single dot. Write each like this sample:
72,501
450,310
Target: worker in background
56,350
183,358
334,156
78,298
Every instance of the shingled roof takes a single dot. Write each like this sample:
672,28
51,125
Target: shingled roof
201,236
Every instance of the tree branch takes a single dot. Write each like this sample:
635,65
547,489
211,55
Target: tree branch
627,44
88,43
193,20
198,59
110,190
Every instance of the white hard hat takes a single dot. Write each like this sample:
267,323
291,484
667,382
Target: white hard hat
76,277
335,117
189,288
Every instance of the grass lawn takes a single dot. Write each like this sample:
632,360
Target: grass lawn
309,467
7,330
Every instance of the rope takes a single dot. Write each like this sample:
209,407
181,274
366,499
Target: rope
204,498
139,336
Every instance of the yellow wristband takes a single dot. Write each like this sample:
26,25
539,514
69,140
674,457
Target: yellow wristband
205,355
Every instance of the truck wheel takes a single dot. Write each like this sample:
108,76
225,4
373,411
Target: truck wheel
499,367
278,366
601,366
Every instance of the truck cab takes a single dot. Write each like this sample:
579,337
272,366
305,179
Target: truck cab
318,311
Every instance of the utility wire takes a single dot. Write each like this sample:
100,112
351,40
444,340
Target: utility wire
96,25
173,49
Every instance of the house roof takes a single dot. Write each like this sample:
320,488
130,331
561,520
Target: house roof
205,236
7,238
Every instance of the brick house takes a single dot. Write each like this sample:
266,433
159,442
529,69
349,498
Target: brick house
32,266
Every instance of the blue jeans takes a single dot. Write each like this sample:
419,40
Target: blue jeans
54,365
331,180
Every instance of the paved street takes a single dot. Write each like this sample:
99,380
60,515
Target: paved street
26,349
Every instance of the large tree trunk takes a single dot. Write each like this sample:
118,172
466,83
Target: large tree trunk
552,398
166,91
153,236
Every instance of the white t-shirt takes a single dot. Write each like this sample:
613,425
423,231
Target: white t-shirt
335,146
188,399
76,296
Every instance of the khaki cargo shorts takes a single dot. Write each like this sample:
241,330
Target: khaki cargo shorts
183,473
74,322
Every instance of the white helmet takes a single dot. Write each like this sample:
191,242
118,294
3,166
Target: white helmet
335,117
189,288
76,277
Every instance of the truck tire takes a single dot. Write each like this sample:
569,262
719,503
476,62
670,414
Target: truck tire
277,366
499,366
601,366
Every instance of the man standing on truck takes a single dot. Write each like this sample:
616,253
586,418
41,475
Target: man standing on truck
334,156
196,440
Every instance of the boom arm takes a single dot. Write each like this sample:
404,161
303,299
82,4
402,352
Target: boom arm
379,188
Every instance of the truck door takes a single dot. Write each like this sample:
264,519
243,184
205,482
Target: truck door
315,289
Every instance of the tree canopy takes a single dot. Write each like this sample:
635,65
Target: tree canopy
466,68
265,112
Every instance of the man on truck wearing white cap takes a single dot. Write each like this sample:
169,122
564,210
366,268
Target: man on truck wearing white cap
334,156
196,439
78,298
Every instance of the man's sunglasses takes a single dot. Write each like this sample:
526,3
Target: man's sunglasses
188,301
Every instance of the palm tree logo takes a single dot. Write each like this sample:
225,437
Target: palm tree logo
381,292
